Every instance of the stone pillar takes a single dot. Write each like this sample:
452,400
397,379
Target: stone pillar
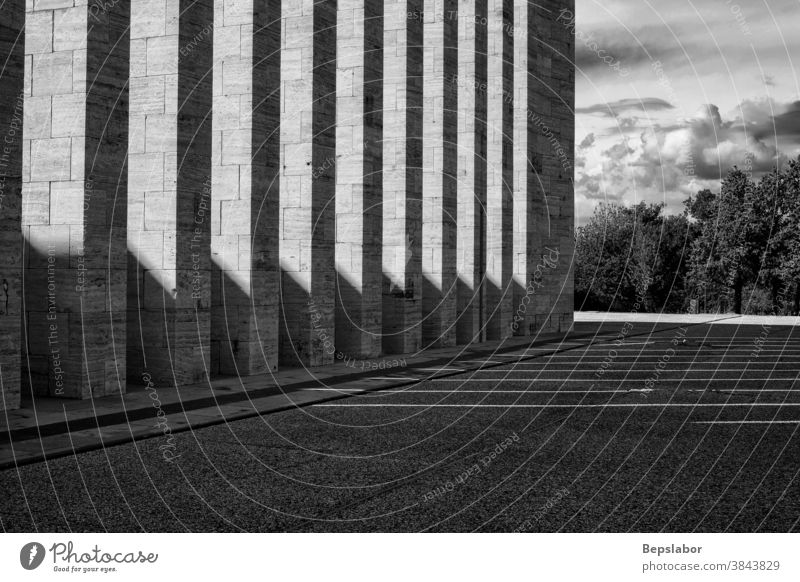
439,161
472,20
169,169
244,191
563,75
499,161
359,152
402,176
75,192
526,178
307,180
12,55
551,165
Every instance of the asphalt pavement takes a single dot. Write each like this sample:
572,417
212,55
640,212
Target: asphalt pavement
674,426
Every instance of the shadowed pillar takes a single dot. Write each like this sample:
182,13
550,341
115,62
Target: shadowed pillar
526,178
307,181
170,190
12,17
75,195
402,176
244,193
471,169
499,162
439,187
551,138
359,119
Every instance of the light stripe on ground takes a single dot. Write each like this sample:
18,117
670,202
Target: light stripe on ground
401,391
648,405
392,378
642,360
666,345
644,356
694,353
746,422
587,380
624,371
630,391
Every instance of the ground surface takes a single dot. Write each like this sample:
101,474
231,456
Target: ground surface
656,434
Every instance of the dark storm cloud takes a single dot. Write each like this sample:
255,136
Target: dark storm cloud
615,108
630,47
785,123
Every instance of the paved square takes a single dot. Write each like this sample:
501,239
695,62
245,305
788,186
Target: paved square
672,426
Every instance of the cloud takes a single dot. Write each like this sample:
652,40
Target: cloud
615,108
630,46
667,164
764,119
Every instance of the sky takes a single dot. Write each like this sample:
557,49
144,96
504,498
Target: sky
671,94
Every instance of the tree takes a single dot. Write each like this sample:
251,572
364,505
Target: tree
632,257
789,232
721,262
745,238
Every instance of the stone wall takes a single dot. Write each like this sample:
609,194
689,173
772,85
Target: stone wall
75,192
402,176
12,18
552,134
219,186
439,172
169,175
245,187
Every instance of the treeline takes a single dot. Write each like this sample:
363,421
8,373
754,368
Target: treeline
737,251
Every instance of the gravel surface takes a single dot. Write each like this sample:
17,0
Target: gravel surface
639,435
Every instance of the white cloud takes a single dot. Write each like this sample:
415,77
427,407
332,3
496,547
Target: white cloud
667,164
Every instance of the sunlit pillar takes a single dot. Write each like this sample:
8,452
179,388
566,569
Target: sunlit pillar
359,152
75,193
244,190
472,98
439,186
307,182
499,162
169,170
402,176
